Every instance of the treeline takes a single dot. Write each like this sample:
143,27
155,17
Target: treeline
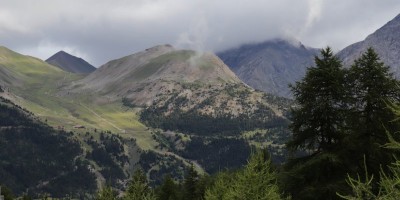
193,122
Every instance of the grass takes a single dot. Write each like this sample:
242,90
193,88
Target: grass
39,93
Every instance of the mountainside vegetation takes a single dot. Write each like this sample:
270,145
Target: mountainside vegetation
37,159
342,121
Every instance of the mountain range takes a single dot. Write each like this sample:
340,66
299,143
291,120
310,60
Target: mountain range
161,103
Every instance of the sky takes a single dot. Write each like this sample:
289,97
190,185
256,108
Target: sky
102,30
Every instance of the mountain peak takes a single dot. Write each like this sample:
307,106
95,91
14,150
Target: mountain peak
70,63
157,67
385,42
271,65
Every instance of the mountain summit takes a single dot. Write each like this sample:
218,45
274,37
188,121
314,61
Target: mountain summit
70,63
146,75
385,41
270,66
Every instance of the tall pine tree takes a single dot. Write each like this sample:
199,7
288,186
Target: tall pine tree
138,188
318,123
372,88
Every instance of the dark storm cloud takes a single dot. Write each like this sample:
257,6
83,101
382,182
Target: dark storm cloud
100,30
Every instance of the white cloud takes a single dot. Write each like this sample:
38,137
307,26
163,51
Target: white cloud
100,30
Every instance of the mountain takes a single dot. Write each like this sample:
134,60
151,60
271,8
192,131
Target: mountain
270,66
70,63
145,75
385,42
194,94
155,110
162,74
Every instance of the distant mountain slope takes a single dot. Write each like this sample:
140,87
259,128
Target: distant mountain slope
193,94
70,63
270,66
181,78
19,70
146,75
385,41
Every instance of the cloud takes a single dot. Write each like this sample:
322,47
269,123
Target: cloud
101,30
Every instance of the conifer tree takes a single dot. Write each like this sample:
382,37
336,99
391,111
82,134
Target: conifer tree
190,184
168,190
318,119
256,181
318,126
138,188
106,193
372,88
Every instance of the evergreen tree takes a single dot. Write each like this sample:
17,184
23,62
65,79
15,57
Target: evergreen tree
318,126
106,193
389,184
168,190
318,119
6,192
221,186
373,86
138,188
256,181
190,184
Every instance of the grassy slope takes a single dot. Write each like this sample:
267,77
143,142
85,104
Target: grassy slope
37,87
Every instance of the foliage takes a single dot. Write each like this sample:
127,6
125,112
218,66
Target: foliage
341,116
389,184
157,165
27,144
168,190
318,128
138,188
216,154
372,87
109,154
6,192
256,181
106,193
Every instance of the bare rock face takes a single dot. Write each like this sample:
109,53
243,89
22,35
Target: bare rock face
385,41
270,66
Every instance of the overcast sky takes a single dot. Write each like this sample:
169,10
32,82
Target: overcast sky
101,30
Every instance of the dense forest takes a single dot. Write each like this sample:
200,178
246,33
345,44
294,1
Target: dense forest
36,159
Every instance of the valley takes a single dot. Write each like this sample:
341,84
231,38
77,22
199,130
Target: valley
138,100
